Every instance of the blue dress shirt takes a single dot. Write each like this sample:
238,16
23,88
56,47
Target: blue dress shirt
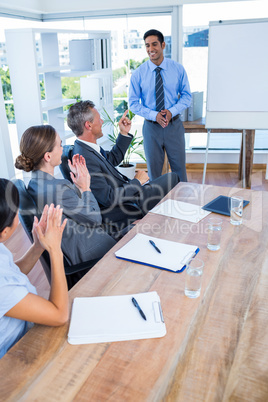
14,286
142,88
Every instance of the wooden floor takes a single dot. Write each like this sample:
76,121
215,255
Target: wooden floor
220,175
19,242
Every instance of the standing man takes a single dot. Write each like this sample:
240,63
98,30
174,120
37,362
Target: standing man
159,92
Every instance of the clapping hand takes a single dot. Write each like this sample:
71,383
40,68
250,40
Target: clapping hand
72,164
42,225
48,232
124,124
79,173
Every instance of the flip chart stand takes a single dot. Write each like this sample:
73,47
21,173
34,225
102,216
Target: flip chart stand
244,134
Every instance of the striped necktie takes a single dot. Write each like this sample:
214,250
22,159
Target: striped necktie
159,91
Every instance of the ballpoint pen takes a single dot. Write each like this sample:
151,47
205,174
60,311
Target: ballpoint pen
154,245
134,301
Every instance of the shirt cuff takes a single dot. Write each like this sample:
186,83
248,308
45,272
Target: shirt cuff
174,111
152,115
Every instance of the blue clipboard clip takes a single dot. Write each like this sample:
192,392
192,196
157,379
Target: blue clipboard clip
186,259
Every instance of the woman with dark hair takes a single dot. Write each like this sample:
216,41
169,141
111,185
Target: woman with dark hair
19,303
84,238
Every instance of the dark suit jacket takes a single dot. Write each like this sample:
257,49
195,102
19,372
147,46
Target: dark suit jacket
107,184
83,238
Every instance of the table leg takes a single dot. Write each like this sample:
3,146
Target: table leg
206,157
249,152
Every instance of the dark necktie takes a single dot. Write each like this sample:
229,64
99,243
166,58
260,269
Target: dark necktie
159,91
103,152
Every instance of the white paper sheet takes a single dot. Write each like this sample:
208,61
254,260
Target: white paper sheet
181,210
115,318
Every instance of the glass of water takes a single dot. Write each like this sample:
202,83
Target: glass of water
194,272
214,233
236,210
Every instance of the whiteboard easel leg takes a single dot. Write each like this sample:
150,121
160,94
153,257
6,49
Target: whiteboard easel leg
206,158
244,160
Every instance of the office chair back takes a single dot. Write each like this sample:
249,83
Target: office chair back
64,167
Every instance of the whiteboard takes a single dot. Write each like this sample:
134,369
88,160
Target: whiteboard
237,92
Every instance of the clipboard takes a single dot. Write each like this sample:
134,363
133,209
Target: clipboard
114,318
173,257
221,205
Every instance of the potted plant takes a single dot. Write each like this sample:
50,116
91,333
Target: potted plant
126,167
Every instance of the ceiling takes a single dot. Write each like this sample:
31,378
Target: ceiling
41,9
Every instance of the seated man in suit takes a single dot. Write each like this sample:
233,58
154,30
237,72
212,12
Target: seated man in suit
111,188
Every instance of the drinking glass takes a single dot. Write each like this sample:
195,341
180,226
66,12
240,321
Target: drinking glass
194,272
236,211
214,233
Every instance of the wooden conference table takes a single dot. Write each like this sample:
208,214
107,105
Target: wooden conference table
216,346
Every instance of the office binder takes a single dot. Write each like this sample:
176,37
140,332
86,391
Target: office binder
173,256
115,318
195,110
221,205
81,53
184,115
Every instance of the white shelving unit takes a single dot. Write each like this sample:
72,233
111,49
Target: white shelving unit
35,55
7,170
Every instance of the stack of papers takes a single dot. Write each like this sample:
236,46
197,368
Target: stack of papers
173,257
115,318
181,210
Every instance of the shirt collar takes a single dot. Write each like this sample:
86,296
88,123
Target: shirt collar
153,66
96,147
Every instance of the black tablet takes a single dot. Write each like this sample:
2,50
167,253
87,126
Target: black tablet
221,205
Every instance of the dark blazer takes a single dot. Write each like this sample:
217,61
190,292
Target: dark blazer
83,238
107,184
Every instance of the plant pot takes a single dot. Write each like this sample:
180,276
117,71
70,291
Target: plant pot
128,171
